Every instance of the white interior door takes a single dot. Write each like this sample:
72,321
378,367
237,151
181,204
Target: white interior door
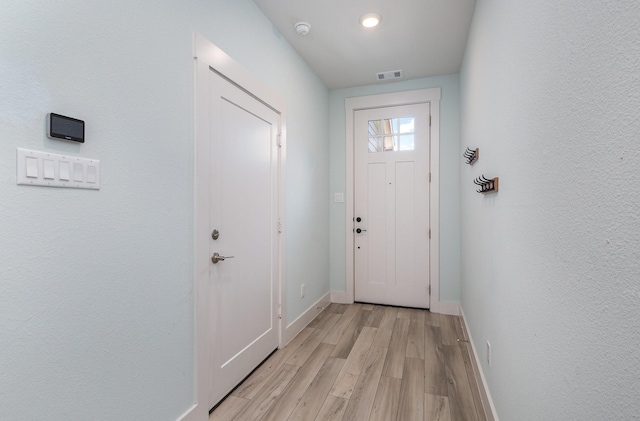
391,207
243,206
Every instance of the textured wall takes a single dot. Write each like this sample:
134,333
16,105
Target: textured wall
449,177
550,93
96,288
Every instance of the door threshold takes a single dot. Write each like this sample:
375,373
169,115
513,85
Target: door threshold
391,305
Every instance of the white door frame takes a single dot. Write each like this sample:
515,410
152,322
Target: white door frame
207,56
388,100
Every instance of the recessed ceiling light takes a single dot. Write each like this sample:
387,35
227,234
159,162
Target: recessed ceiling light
370,20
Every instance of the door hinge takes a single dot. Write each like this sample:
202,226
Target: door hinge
429,177
279,140
429,233
429,120
279,311
279,225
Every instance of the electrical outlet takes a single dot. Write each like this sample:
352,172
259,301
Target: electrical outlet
302,291
489,353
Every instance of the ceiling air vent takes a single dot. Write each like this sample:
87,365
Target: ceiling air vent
393,74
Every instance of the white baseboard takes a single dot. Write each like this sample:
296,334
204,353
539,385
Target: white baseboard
340,297
305,318
190,415
485,394
445,307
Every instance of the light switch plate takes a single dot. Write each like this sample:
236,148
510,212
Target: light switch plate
338,198
35,168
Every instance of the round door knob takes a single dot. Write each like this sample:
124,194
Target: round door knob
358,219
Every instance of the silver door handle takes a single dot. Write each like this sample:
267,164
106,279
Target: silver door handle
215,258
359,230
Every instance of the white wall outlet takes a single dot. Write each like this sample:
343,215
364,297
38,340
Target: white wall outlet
338,198
489,353
302,291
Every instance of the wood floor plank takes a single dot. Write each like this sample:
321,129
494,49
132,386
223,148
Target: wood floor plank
404,313
350,335
337,308
320,317
411,406
415,343
327,322
368,307
265,398
436,408
361,402
332,409
346,381
312,400
462,333
448,330
377,313
386,327
250,387
432,319
460,397
435,378
286,403
394,364
466,351
306,349
228,409
338,329
385,405
458,326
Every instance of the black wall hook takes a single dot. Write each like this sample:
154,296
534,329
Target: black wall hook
486,185
471,155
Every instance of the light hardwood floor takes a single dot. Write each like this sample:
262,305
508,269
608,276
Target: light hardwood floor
364,362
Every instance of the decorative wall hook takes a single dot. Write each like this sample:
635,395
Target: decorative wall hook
486,185
471,155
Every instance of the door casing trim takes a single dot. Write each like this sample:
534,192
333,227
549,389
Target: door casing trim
419,96
207,56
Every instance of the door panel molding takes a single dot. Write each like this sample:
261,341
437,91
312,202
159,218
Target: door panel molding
207,58
354,104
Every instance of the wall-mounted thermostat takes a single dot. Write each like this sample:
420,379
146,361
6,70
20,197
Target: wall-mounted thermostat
65,128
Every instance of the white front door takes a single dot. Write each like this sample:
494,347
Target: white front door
391,208
243,204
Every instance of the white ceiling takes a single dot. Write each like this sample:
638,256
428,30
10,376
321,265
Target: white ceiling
420,37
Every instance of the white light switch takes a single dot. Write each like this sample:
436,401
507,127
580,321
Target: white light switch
49,169
92,175
64,171
32,167
35,168
78,172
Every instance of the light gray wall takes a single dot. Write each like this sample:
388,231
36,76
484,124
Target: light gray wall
550,264
96,287
449,177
